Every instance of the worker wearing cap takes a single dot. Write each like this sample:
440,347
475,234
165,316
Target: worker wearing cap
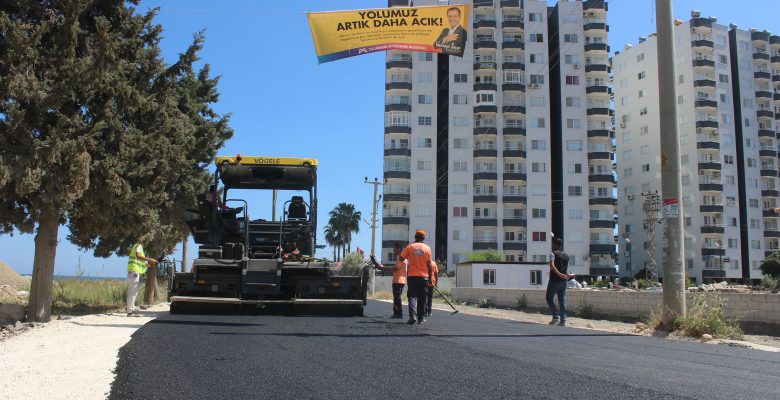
431,284
136,266
399,280
419,272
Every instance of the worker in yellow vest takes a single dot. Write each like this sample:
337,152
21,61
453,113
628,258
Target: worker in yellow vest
136,266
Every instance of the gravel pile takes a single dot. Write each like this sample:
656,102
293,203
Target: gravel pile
12,278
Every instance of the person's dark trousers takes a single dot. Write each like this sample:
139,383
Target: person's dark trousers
417,289
398,307
429,300
557,288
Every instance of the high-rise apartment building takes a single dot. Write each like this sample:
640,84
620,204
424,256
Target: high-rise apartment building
508,144
728,147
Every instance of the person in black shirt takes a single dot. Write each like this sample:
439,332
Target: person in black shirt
556,285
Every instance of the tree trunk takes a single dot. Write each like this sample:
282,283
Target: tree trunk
39,308
151,284
184,254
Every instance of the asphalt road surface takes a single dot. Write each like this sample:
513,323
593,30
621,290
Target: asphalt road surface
450,357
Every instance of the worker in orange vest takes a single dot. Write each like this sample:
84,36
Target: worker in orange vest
418,275
433,282
399,280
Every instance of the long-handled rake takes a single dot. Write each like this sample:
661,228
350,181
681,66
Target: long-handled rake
455,311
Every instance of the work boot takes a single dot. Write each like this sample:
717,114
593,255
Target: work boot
555,321
562,323
422,321
411,321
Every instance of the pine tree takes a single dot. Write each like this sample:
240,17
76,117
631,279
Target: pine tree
97,133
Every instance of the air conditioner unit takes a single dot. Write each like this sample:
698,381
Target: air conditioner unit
576,66
630,196
533,86
585,258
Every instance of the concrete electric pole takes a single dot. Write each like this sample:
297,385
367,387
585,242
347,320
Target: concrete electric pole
376,184
674,252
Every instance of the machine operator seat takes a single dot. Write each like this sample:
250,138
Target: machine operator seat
297,209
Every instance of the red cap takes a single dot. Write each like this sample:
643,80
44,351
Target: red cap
420,232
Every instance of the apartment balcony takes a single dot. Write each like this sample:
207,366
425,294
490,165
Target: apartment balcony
485,86
770,193
398,175
775,59
483,3
772,233
514,222
596,26
523,246
759,36
489,66
485,109
766,133
761,56
485,153
602,201
713,251
513,44
514,109
598,68
517,87
512,23
595,5
602,224
767,153
762,75
485,23
709,44
488,176
599,248
765,114
398,107
600,111
513,130
710,166
769,172
514,153
776,78
484,245
485,198
396,196
708,145
399,152
704,63
513,65
711,187
701,23
398,129
600,47
514,199
770,214
398,86
485,222
712,229
712,124
717,273
601,178
514,176
486,130
400,64
395,221
711,208
706,104
485,44
704,83
599,155
510,3
601,133
598,89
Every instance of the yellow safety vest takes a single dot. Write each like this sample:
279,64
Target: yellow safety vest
134,264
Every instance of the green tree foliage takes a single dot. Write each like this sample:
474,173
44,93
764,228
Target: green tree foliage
490,255
771,265
345,220
352,265
333,238
97,132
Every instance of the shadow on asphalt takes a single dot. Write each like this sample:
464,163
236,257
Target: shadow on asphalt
201,323
442,335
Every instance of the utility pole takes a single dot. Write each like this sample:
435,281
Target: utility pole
674,270
376,184
184,245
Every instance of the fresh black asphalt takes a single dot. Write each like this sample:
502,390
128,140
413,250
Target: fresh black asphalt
450,357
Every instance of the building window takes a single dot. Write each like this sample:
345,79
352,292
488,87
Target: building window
536,277
536,37
573,123
536,80
425,56
723,78
570,38
535,17
574,145
537,167
538,213
461,143
424,121
575,191
461,78
457,98
424,142
641,93
461,121
537,101
424,165
424,99
460,166
575,168
573,102
643,111
456,234
539,236
753,203
489,277
459,188
645,167
641,75
461,212
571,59
572,80
575,213
640,57
536,59
425,77
538,123
538,145
644,130
424,188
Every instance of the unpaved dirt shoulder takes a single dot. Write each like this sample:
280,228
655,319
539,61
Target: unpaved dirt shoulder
72,358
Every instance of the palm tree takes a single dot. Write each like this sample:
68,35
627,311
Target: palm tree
346,220
333,238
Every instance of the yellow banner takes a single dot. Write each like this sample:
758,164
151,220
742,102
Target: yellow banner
437,29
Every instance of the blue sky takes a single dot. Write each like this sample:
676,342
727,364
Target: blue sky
284,104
